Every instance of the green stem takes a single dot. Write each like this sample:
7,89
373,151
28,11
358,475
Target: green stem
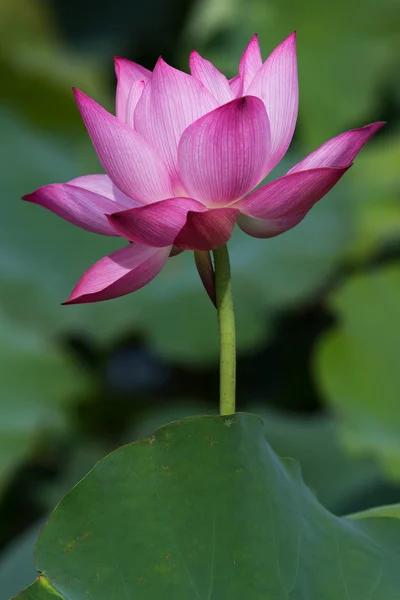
226,319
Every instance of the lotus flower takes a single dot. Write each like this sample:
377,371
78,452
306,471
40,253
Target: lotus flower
182,157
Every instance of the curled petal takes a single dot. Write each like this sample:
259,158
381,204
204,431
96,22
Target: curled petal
222,156
276,84
128,73
156,224
130,162
170,102
290,194
340,151
207,230
84,201
133,98
205,72
207,274
250,64
120,273
266,228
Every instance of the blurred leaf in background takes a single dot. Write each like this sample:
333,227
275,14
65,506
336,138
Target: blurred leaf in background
347,52
38,381
348,69
37,72
357,365
375,198
17,565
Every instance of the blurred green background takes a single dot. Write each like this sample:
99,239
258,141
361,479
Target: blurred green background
318,308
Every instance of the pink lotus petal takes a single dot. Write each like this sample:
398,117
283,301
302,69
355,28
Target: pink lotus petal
236,85
250,64
340,151
127,74
223,155
156,224
129,160
120,273
170,102
102,185
276,84
207,230
205,72
207,274
133,98
266,228
290,194
83,201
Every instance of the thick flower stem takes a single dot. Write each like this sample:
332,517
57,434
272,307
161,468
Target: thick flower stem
226,319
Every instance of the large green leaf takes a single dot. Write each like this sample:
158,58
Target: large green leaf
339,480
357,365
204,509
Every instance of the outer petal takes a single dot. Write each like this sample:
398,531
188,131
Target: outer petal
206,271
266,228
102,185
156,224
290,194
170,102
83,201
129,160
127,74
276,84
282,204
207,230
250,64
340,151
205,72
223,155
120,273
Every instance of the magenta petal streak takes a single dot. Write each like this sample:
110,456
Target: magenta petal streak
250,64
339,151
290,194
266,228
236,86
83,201
130,162
120,273
205,72
170,102
156,224
222,156
133,98
102,185
276,84
128,73
207,230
